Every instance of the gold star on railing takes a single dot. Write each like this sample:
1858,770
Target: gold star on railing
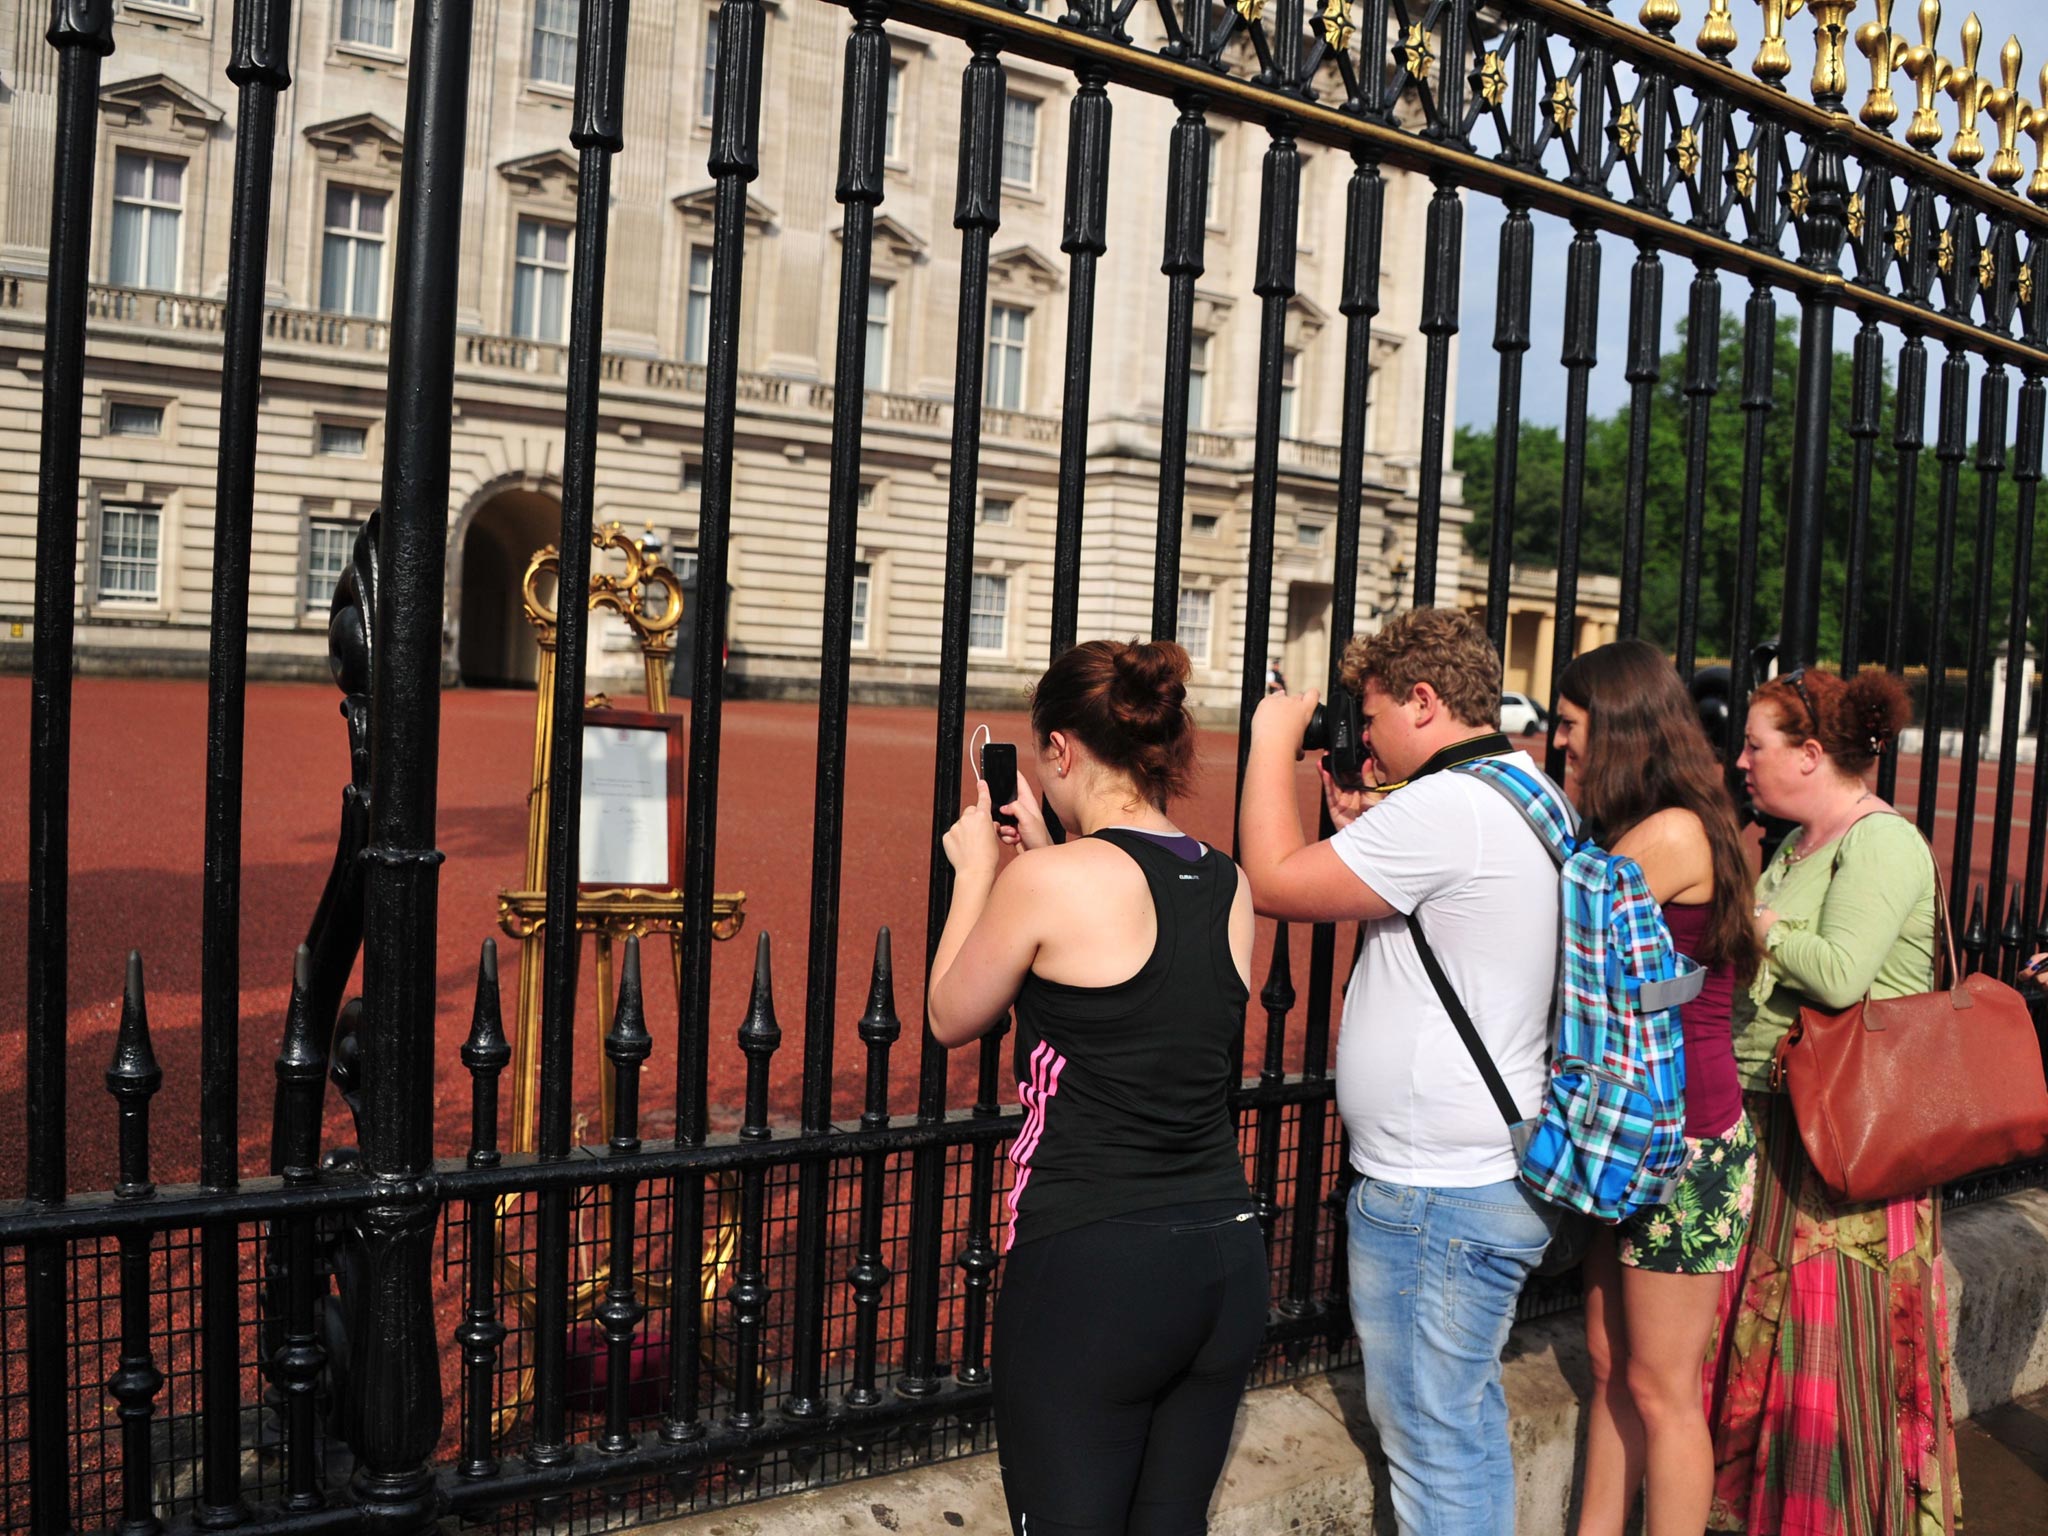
1250,10
1563,106
1945,253
1987,267
1902,235
1856,219
1416,54
2026,282
1628,129
1492,80
1798,196
1743,174
1685,151
1335,24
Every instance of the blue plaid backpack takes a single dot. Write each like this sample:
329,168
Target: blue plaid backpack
1610,1136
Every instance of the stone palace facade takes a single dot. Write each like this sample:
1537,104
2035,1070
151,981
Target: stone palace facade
163,191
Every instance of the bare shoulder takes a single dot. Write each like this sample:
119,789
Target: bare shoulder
1673,832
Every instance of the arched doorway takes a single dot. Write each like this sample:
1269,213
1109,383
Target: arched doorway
495,646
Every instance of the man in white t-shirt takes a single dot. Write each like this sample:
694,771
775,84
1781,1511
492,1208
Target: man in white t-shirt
1442,1234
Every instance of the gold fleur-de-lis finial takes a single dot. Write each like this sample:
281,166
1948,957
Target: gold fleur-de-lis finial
1717,37
1491,80
1685,151
1335,25
1970,91
1929,72
2008,108
2035,127
1743,175
1416,54
1830,48
1885,49
1773,60
1627,129
1563,106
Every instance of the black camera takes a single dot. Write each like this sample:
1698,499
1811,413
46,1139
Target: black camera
1337,729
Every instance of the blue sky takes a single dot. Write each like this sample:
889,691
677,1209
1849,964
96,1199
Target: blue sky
1543,391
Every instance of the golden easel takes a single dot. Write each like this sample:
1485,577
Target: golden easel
610,915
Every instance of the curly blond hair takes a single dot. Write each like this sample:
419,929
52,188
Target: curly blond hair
1443,647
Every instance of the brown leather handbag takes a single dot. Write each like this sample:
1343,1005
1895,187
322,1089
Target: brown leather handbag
1899,1094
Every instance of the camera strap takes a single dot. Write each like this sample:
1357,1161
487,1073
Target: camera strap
1471,749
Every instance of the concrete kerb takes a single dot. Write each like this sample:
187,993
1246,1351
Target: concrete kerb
1305,1460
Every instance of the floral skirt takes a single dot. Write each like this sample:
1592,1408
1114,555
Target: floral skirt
1828,1386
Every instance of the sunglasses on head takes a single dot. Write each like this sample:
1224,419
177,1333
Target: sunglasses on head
1795,678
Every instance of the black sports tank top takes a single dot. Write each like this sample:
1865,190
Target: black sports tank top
1126,1088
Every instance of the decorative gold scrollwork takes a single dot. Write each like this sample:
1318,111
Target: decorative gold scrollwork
1929,72
1685,151
626,595
1416,54
1970,91
1857,222
1987,267
1798,196
1335,24
1773,59
1945,253
1563,106
1717,37
1902,235
1491,81
2008,108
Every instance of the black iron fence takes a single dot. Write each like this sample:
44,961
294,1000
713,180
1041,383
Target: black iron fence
586,1335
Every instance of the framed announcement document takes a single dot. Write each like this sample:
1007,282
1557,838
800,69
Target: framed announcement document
630,826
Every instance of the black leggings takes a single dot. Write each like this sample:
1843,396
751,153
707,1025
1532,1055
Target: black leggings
1121,1351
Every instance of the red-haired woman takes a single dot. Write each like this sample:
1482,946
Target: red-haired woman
1645,778
1830,1402
1134,1296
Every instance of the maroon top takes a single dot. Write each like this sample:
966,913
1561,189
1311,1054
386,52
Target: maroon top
1713,1093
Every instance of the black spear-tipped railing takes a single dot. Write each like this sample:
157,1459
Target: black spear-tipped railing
627,1048
480,1334
869,1275
759,1036
1976,933
133,1079
1992,399
1909,441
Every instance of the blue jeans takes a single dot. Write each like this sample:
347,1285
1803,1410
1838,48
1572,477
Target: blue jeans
1434,1278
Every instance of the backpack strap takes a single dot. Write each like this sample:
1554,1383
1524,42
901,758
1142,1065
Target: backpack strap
1518,1127
1540,802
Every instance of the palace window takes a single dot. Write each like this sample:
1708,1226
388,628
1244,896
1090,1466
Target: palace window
149,207
540,280
352,252
128,551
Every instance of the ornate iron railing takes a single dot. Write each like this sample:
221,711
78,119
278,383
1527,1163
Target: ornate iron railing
274,1350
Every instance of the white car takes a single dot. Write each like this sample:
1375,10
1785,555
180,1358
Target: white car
1521,715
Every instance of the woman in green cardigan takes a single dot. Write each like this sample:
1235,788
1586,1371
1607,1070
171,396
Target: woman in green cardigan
1828,1391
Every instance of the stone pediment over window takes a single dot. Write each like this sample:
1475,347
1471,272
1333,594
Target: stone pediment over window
1022,267
1211,310
897,241
158,101
365,141
701,207
1304,320
551,173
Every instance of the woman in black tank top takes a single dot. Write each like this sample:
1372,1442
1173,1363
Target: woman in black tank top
1133,1297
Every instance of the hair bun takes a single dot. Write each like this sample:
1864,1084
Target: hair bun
1150,692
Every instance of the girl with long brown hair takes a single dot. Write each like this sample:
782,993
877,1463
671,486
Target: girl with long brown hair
1648,784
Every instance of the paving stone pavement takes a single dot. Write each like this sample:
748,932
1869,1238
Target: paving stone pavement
2002,1458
